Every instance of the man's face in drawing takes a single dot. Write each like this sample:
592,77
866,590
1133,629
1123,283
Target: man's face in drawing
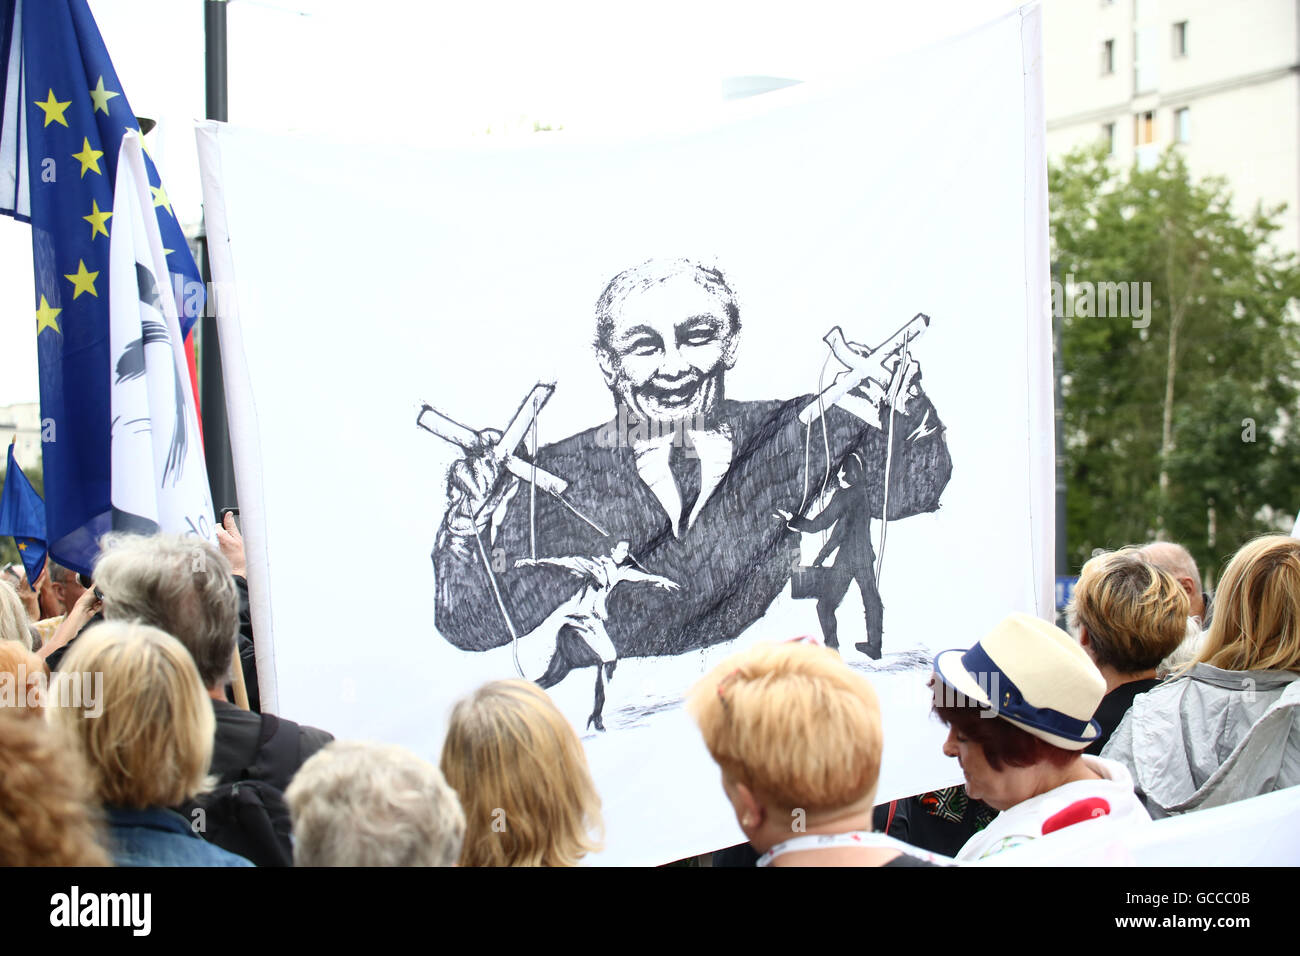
667,352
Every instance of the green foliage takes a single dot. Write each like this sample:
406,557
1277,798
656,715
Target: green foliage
1227,298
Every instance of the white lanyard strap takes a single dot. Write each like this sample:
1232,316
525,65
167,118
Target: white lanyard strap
824,841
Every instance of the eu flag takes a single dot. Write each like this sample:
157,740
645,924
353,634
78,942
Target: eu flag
62,116
22,516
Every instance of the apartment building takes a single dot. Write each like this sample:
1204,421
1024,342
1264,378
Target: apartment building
1220,78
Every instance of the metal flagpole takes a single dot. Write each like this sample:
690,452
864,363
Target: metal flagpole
212,393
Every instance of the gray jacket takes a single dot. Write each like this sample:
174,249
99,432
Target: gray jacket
1211,737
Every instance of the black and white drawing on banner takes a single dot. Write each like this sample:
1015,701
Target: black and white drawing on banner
689,479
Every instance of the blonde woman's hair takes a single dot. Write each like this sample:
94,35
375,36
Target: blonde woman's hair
522,778
28,677
14,623
48,814
366,804
795,724
1256,623
1135,611
151,742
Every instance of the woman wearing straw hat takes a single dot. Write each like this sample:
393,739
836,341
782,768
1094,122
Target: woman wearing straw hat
1019,707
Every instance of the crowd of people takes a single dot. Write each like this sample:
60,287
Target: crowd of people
122,743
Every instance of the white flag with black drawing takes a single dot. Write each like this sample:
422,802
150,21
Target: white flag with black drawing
159,482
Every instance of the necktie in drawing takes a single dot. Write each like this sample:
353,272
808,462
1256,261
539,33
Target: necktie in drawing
684,463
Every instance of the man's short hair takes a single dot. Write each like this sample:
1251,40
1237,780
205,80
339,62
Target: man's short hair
150,744
1135,611
654,272
1174,558
179,584
365,804
795,724
59,574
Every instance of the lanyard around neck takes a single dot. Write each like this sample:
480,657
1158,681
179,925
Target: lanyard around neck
825,841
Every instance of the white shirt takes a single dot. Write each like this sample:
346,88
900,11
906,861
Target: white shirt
1024,821
715,450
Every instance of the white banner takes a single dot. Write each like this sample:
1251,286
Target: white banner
790,374
1261,831
159,481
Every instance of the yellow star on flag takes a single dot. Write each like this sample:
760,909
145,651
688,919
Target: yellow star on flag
89,158
45,317
101,96
160,198
82,280
97,219
54,109
22,545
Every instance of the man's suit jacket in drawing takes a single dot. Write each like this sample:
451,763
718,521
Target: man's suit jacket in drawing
731,563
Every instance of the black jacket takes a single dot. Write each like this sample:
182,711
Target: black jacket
731,563
241,751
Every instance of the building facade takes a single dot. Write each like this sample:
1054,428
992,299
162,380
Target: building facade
23,423
1220,78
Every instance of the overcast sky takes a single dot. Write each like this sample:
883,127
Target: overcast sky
429,72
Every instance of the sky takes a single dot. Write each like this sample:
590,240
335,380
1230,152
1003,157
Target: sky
432,73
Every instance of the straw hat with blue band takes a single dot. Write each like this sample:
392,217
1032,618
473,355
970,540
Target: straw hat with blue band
1032,675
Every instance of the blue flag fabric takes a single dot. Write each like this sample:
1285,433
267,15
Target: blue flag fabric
62,116
22,516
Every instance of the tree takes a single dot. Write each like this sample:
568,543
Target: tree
1180,420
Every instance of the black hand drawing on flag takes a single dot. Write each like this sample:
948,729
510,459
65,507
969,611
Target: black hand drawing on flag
131,365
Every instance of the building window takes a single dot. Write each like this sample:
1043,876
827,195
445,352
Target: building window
1180,38
1108,57
1108,137
1144,61
1144,128
1183,124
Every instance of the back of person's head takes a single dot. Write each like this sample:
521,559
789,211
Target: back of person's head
1186,654
794,724
1135,613
178,584
67,587
1178,561
14,623
48,815
522,778
1172,557
1256,622
27,677
366,804
129,698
